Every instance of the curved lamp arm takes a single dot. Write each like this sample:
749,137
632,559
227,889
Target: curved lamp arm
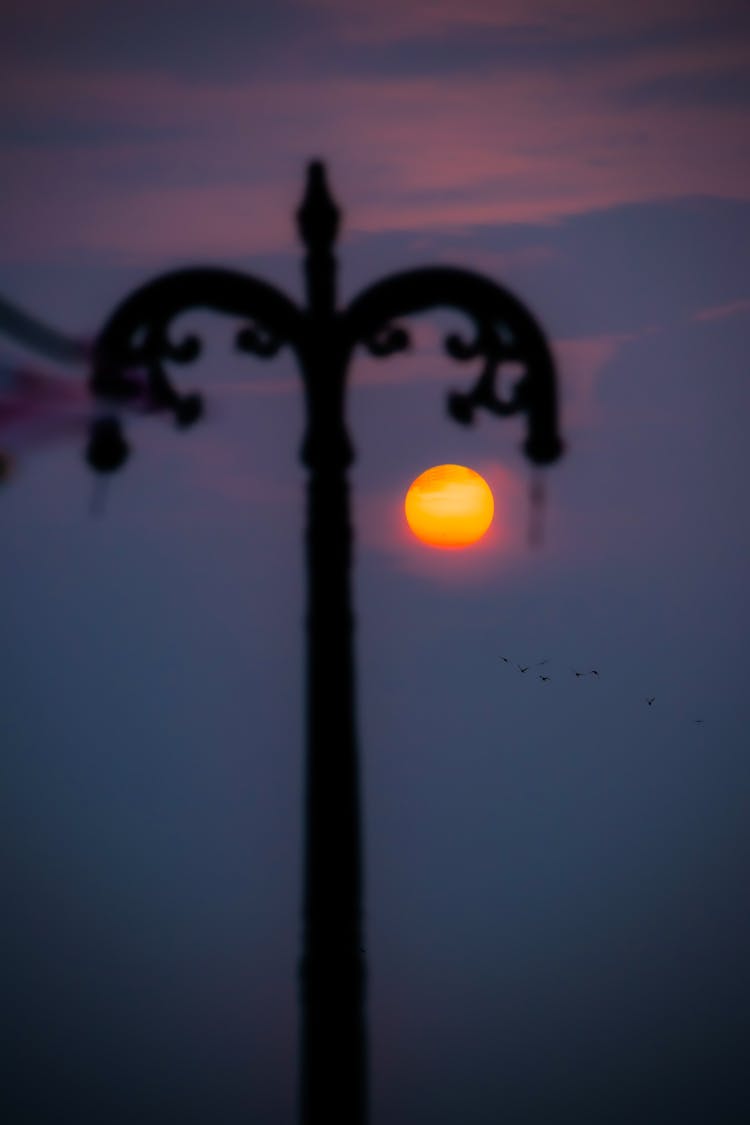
137,335
505,332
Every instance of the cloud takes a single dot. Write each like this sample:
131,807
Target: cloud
136,161
575,19
721,312
227,36
582,363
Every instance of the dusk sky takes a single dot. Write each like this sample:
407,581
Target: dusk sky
556,877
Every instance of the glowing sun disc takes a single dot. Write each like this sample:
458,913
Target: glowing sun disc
449,506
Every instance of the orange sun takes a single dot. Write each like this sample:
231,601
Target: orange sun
449,506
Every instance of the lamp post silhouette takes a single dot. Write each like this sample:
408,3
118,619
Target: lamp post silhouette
323,338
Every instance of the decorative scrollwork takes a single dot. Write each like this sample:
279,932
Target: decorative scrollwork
506,334
387,340
136,343
257,341
159,348
457,347
135,374
136,339
186,351
498,349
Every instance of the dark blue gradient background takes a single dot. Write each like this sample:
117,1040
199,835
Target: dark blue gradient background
556,874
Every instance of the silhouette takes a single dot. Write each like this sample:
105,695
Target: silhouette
6,466
579,674
323,337
107,449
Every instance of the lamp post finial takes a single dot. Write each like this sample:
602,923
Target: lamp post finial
318,216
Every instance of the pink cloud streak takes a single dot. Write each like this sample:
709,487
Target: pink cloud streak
393,20
220,164
721,312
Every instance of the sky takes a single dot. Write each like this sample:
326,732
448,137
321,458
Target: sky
555,872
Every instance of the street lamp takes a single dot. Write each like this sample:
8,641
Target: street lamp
323,338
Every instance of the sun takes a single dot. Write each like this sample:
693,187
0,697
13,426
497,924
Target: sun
449,506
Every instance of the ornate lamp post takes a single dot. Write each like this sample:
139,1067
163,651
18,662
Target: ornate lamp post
324,338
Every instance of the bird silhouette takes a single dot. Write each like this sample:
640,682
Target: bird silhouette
579,673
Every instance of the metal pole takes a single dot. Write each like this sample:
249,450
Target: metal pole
332,974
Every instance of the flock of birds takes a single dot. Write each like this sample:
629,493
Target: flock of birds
578,673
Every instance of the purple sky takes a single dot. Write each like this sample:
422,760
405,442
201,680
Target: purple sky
557,872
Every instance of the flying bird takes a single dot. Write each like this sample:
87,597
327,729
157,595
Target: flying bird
543,662
594,672
544,679
504,658
578,674
521,668
650,699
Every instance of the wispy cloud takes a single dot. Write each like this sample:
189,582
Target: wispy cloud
721,312
582,364
146,163
396,19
